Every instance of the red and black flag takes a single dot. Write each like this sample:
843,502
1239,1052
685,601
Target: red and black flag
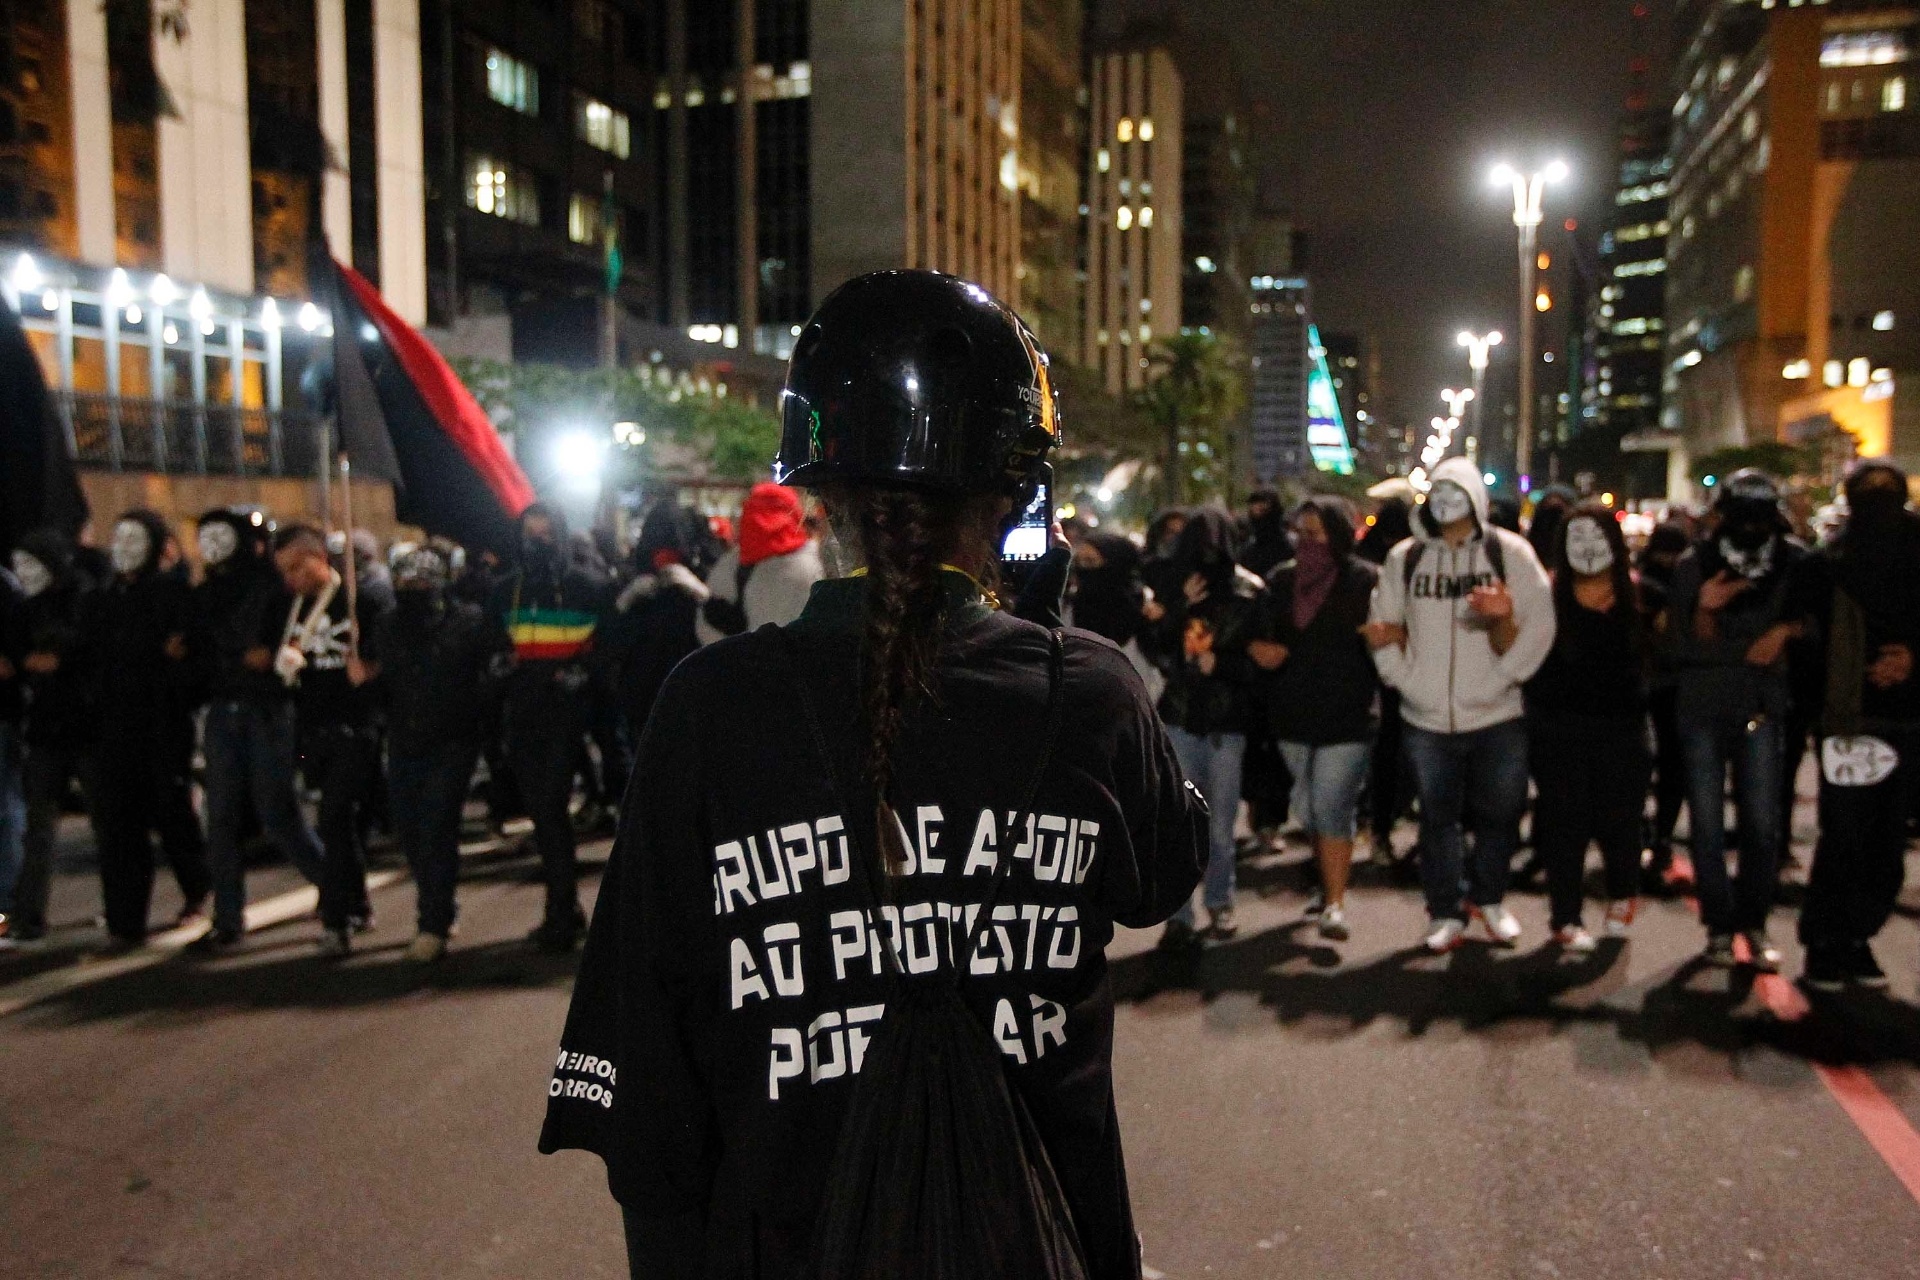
404,416
38,486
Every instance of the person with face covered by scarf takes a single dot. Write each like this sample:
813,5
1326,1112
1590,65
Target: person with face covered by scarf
1665,546
1863,599
546,614
249,739
1586,727
655,619
1268,546
1729,627
137,628
61,725
1320,690
767,577
1199,643
437,653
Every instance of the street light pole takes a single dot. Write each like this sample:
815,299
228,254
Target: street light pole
1479,355
1457,402
1528,189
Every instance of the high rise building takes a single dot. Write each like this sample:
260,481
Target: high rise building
1281,352
1052,158
1793,305
1133,287
1216,203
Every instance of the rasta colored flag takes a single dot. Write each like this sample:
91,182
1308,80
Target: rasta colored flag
406,417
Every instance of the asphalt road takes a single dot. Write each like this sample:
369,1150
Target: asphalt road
1290,1108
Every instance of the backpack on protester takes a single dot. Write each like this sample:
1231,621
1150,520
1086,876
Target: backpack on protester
1489,542
940,1172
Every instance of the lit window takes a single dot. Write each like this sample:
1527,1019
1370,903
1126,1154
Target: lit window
1834,373
1146,333
1206,265
1883,322
501,190
1103,160
1798,370
1859,370
1124,130
1743,283
1146,130
1146,215
599,125
585,219
1124,218
512,83
1893,94
1864,49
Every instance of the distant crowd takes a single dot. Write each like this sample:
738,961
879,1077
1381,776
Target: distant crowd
1437,657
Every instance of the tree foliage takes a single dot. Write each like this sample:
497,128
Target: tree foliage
1196,393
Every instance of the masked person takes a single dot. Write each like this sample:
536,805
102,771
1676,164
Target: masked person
329,655
1268,546
436,655
549,609
1199,644
916,725
1864,598
250,740
1321,689
767,577
1462,618
61,726
656,616
1728,626
137,628
1587,727
1667,543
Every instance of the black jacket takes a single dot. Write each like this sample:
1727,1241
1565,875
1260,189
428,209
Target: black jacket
1226,621
61,711
1328,689
434,668
239,606
727,991
13,648
144,694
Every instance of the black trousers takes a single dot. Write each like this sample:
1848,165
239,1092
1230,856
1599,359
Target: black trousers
545,723
1390,786
343,763
1860,861
143,787
1670,771
48,772
1592,774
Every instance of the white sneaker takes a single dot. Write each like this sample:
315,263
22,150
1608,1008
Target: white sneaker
1445,935
1619,922
1333,922
1501,924
1575,940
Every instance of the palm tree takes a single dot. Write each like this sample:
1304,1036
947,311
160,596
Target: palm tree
1194,393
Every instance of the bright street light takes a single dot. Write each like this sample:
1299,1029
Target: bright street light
1457,401
1529,191
577,457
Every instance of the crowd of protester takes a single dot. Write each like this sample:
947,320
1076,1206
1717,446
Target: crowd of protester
1438,658
275,666
1434,658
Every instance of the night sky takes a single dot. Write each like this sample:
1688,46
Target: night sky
1379,120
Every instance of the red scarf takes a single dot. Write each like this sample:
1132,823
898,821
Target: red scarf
770,524
1315,571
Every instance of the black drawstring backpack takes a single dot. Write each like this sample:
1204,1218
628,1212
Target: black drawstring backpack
940,1172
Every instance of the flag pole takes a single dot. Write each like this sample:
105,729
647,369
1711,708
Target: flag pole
351,557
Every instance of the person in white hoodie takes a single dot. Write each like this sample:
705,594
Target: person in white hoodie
1462,618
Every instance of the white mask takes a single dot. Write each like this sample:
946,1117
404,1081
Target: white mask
131,546
1449,502
1588,551
217,542
34,575
1751,565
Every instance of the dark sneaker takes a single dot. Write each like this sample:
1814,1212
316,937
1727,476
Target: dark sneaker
1863,968
1316,903
1761,953
1826,969
1719,952
360,921
557,936
192,912
216,942
336,944
1178,936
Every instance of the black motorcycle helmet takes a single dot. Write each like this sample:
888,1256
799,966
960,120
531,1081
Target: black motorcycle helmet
921,379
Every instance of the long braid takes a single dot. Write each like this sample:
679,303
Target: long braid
902,536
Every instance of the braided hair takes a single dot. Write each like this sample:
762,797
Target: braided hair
902,537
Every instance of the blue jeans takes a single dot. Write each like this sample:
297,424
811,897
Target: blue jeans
1486,768
1326,786
1212,763
428,790
1756,749
251,753
13,811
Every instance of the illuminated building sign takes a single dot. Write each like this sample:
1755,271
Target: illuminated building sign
1326,429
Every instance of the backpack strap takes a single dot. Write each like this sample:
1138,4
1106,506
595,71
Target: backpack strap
1411,564
1015,821
1490,542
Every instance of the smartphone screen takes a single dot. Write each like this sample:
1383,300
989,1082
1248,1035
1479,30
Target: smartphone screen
1029,540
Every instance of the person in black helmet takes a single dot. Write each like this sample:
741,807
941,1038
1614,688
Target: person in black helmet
1729,626
737,973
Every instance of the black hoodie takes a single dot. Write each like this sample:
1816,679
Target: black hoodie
1222,624
241,605
60,707
143,692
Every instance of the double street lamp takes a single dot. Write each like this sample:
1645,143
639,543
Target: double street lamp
1528,191
1479,354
